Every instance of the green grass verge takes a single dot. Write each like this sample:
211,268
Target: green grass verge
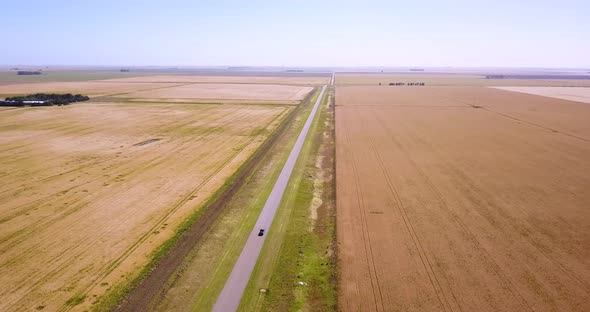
117,293
294,252
254,197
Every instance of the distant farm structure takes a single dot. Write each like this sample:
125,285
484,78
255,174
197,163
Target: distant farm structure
417,69
411,84
495,77
28,72
124,70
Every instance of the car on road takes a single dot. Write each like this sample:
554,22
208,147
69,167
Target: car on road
261,232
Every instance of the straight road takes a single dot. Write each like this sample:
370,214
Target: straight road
231,295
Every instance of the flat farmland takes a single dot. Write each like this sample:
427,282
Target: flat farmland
222,92
566,93
461,199
89,191
447,79
90,88
226,79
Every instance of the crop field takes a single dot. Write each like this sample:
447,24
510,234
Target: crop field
461,199
159,90
90,88
89,191
443,79
227,79
61,74
212,91
565,93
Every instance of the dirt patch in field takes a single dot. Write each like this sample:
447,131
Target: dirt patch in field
446,207
83,206
142,143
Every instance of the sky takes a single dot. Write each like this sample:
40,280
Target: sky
296,33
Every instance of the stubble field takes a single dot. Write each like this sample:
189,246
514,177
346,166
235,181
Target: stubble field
461,199
283,94
565,93
90,88
226,79
90,190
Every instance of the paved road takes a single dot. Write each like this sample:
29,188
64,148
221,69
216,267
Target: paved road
231,295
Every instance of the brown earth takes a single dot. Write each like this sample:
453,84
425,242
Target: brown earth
88,191
443,79
461,199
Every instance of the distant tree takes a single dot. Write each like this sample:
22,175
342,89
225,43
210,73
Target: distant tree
47,99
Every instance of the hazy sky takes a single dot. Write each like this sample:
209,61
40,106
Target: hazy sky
291,33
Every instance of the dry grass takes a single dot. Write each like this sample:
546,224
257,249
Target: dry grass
87,193
214,91
90,88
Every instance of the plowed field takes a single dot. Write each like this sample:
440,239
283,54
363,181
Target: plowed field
462,199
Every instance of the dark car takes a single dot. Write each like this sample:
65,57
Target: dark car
261,232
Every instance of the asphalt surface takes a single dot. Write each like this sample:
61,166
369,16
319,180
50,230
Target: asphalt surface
232,292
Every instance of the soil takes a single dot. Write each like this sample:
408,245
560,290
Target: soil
444,206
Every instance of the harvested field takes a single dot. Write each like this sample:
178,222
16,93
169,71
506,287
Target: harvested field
564,93
227,79
451,80
250,92
90,88
89,191
463,198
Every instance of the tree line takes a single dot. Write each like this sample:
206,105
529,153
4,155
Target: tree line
44,99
